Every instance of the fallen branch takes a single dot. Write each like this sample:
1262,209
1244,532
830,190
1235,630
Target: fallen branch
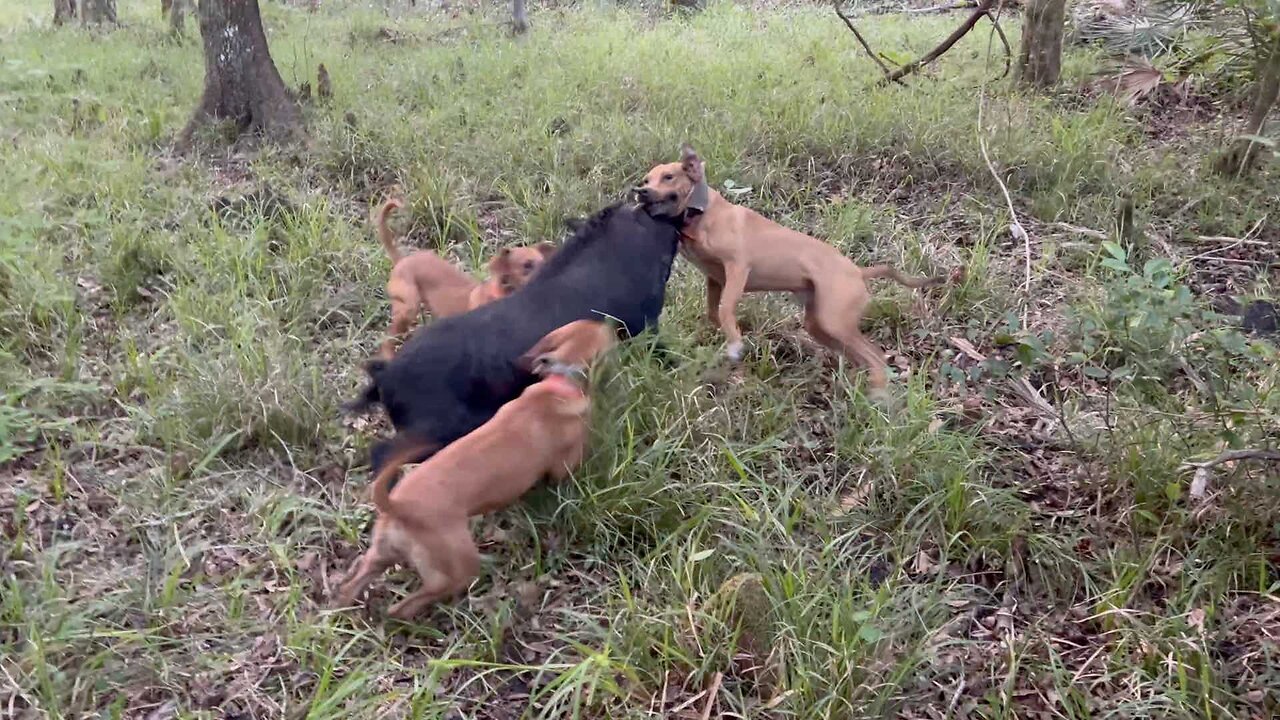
712,693
861,40
1200,481
940,8
981,10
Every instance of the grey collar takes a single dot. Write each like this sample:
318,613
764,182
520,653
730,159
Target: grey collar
699,198
576,372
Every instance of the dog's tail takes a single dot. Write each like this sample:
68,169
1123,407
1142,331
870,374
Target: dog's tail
911,281
384,232
381,489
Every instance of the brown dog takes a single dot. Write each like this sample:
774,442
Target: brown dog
424,280
740,251
424,520
571,349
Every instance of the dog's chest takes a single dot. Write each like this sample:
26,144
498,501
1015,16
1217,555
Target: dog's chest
694,251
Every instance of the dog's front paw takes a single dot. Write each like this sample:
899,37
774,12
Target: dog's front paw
734,351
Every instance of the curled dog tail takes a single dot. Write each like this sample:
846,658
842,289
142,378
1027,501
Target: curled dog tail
384,232
381,489
911,281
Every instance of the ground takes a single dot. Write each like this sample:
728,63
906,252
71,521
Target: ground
1011,537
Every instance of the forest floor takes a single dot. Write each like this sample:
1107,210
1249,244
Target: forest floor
1013,538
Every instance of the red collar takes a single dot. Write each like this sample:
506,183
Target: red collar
562,385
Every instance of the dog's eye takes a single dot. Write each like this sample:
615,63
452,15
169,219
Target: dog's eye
528,265
668,177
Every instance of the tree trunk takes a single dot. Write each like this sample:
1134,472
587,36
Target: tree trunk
519,17
241,83
177,16
165,6
1040,58
1243,156
63,11
98,12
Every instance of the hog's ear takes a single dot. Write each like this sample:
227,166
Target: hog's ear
691,163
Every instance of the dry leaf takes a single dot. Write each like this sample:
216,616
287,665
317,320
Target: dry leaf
1137,80
968,349
1195,619
923,563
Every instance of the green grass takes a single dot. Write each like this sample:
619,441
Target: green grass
176,335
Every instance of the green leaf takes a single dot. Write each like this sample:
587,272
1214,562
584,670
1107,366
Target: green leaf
870,633
1173,491
702,555
1114,264
1116,250
860,616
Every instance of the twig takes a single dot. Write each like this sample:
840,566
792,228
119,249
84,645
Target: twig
1229,239
1200,481
861,40
911,67
1077,229
939,8
1008,51
1015,227
712,692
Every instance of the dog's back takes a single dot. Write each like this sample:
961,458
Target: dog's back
453,375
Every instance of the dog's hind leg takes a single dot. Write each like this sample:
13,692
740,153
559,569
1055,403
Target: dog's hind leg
447,563
835,323
403,317
367,568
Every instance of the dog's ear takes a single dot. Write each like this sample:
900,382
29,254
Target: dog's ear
546,248
501,260
690,162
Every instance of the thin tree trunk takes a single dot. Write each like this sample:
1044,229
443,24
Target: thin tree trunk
241,83
1040,58
178,16
519,17
165,6
1245,152
63,11
98,12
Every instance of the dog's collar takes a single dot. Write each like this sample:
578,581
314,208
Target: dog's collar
565,377
694,207
699,198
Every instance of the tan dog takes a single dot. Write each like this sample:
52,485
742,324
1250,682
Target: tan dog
740,251
424,280
571,349
424,520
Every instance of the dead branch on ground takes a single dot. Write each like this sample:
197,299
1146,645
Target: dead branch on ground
1200,481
